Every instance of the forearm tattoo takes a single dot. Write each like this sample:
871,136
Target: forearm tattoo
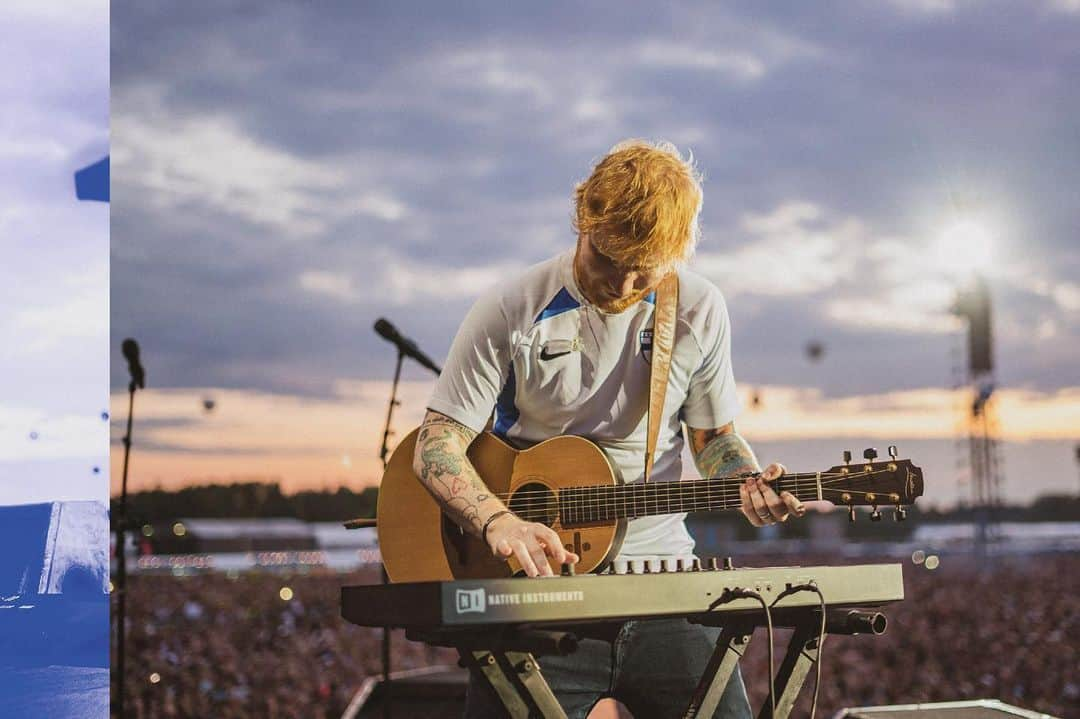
443,467
722,452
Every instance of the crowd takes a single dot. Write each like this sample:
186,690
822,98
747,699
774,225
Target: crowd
274,646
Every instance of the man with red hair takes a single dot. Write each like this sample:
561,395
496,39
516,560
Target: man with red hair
565,349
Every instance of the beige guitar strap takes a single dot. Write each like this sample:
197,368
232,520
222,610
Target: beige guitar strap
667,301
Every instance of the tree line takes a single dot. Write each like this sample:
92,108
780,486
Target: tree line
249,500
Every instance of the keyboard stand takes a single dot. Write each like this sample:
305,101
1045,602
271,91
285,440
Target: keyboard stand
504,658
730,646
802,652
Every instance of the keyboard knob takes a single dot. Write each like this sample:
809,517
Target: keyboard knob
728,564
696,566
679,565
568,569
714,563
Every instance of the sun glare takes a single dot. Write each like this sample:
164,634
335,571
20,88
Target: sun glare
964,247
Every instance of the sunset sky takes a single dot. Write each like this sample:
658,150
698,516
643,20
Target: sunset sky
284,174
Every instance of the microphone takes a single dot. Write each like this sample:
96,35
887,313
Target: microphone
130,348
405,345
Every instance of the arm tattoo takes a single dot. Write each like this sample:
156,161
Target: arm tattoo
722,452
442,466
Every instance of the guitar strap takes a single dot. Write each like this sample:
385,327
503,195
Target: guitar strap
667,301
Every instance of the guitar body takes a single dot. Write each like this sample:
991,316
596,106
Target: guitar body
419,543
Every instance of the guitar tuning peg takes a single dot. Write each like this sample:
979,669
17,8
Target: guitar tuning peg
869,454
851,513
875,516
892,451
847,456
899,514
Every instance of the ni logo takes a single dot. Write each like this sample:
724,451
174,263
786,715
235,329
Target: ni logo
645,340
470,600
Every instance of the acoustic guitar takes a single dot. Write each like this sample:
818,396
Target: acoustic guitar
568,484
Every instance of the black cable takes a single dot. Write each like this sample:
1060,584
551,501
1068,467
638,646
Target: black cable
740,593
821,635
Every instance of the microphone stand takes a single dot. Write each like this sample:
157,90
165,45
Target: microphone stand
121,560
384,451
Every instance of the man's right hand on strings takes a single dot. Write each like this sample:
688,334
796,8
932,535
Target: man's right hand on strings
530,543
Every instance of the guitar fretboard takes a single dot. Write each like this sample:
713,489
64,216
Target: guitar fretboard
588,505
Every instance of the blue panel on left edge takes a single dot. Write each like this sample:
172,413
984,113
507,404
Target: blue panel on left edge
92,182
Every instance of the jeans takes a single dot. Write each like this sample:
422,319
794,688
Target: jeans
651,666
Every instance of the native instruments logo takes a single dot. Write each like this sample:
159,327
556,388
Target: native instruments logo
470,600
478,601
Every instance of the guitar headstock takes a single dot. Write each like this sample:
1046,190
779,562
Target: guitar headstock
873,483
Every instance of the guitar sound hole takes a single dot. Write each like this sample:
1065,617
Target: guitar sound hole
536,503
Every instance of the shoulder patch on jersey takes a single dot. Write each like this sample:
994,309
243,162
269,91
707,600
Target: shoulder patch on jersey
561,302
645,342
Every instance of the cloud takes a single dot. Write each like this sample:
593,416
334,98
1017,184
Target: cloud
926,7
398,145
402,282
793,413
788,251
742,66
75,311
212,161
32,433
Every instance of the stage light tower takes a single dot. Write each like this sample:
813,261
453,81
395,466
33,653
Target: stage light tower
967,244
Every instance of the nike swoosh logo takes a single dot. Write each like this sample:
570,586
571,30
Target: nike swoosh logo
545,356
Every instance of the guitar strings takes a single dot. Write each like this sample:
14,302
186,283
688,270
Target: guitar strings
581,502
704,485
712,482
578,505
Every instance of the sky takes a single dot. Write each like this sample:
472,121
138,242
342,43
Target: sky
54,271
286,173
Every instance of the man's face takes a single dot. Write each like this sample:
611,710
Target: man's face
611,287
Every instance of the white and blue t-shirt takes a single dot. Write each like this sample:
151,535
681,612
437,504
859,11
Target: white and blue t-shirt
549,363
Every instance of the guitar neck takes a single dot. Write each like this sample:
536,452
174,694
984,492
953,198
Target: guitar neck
585,505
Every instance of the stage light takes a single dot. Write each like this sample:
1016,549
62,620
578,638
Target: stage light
110,587
147,530
932,562
918,556
179,529
965,246
155,678
286,594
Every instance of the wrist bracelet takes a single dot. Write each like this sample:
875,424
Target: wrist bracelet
492,518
